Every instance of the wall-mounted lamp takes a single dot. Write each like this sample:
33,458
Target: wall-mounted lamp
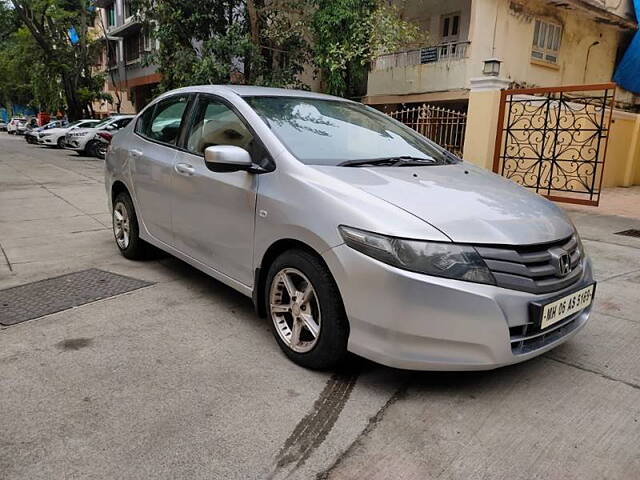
491,67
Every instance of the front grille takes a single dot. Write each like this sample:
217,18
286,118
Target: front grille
530,268
527,338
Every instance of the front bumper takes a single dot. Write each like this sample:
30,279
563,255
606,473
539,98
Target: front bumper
75,143
419,322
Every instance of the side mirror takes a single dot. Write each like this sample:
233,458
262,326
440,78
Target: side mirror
227,158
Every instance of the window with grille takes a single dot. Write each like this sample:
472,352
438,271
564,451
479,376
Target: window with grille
546,41
147,41
450,34
111,16
133,47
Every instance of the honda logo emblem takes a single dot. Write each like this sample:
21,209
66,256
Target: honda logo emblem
564,266
561,261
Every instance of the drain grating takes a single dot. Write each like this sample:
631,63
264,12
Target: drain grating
630,233
33,300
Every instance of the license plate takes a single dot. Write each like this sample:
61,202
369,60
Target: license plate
564,307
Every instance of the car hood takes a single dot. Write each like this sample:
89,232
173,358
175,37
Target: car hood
465,202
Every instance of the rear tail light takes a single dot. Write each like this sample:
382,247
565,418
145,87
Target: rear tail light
107,136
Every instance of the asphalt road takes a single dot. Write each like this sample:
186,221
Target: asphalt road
179,379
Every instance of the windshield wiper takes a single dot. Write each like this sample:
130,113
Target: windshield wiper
403,160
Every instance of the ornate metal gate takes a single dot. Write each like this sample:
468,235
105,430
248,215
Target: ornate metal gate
554,140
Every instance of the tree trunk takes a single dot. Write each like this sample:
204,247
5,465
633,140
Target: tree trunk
254,34
74,108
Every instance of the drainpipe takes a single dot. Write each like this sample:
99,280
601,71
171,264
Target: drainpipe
586,62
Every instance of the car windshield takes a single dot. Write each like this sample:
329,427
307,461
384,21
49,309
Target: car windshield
333,132
102,123
74,124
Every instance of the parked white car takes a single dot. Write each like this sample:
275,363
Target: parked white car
14,124
56,136
3,126
83,140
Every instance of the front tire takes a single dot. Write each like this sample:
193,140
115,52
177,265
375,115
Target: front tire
101,151
126,230
306,311
60,142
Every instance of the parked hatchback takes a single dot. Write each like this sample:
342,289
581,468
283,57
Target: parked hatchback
16,125
348,230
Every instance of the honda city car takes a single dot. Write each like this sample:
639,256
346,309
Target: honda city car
350,231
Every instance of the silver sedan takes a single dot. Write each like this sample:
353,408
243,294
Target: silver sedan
348,230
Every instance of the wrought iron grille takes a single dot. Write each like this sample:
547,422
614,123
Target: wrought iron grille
554,140
444,126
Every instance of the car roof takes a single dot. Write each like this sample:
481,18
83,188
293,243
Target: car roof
254,91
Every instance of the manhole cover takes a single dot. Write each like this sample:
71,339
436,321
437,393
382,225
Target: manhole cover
33,300
630,233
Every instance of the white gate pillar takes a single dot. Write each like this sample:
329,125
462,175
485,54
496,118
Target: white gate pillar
482,119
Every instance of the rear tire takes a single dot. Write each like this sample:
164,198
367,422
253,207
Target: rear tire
126,230
90,149
294,271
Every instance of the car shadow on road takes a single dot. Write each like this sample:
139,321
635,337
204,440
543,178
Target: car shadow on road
425,381
203,284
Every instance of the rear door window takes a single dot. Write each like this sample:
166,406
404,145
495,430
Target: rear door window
167,120
143,125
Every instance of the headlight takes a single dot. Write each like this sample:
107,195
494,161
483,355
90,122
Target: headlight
447,260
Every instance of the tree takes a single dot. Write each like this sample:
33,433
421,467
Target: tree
226,41
269,42
23,77
349,34
50,23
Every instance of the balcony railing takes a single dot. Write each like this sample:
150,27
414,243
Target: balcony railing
431,54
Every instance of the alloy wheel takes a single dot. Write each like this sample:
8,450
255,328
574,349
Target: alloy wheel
295,310
121,225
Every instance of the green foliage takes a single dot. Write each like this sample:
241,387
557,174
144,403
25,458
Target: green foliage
58,72
259,42
214,41
349,34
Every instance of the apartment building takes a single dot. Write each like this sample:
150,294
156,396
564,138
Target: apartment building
129,80
531,43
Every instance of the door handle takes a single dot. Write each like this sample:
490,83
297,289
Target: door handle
184,169
136,153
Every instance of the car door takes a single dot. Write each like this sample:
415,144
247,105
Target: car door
213,213
152,156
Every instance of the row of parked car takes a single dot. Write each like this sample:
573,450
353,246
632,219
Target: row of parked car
89,137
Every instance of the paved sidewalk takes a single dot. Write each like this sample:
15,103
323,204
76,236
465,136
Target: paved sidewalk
620,201
180,379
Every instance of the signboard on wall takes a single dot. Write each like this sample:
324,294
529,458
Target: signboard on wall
429,55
